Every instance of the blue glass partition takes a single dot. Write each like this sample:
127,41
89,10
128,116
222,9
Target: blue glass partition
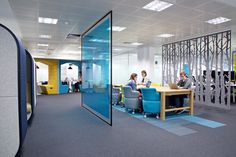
96,68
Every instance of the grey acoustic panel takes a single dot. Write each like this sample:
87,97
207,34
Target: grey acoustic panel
209,62
8,64
9,126
9,100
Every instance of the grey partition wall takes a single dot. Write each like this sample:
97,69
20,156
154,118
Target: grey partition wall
96,68
13,118
208,63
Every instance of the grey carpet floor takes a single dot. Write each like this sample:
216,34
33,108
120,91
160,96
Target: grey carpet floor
61,128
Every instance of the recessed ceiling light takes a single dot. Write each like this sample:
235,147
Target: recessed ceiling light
165,35
47,20
44,45
157,5
136,43
218,20
118,28
45,36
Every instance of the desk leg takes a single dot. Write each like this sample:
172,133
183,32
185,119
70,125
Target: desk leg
191,101
163,105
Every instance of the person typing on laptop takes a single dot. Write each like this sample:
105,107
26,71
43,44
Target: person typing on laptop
184,83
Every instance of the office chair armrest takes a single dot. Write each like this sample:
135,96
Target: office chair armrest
134,94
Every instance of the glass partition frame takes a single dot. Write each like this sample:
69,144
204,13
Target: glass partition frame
108,119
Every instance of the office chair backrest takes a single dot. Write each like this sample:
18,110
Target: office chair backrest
150,94
115,90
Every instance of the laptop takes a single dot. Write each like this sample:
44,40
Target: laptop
173,86
148,84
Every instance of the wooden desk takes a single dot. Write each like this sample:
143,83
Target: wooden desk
166,91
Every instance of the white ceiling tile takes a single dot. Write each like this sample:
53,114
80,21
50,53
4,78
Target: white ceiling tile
211,6
184,19
124,9
193,3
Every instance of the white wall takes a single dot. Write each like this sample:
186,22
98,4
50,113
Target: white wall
141,58
120,69
71,74
42,72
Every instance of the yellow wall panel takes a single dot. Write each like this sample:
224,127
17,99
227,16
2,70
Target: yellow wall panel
53,73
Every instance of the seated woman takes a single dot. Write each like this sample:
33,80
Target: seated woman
133,81
133,84
144,80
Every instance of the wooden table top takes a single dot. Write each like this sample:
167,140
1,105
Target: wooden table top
167,89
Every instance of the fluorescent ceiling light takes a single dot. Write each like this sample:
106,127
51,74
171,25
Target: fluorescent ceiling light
45,36
157,5
47,20
218,20
44,45
136,44
117,28
165,35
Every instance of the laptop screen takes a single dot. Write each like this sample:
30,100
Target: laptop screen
148,84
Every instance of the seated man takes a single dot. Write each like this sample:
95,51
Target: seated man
184,83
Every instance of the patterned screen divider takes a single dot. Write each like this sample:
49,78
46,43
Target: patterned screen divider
209,60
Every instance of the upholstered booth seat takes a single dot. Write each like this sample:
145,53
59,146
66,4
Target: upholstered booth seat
29,108
47,89
64,89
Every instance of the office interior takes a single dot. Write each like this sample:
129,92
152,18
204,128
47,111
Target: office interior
69,71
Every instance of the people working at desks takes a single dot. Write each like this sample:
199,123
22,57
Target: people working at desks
133,81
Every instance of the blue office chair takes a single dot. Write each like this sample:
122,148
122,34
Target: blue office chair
151,101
